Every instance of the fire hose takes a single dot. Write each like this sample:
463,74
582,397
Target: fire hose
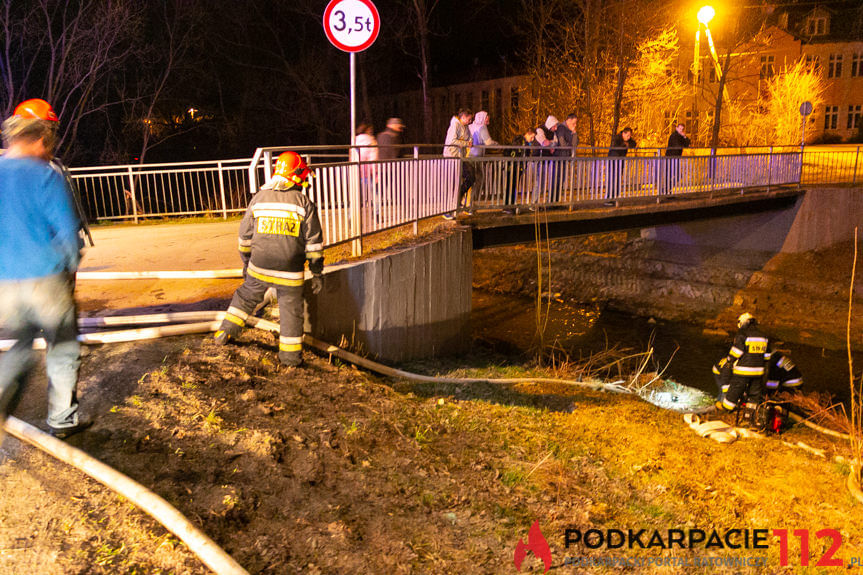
210,554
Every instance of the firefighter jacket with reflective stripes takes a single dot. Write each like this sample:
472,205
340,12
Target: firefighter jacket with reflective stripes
279,232
782,373
722,371
750,352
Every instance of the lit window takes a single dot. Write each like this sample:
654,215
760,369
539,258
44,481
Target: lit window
855,114
834,68
831,117
816,26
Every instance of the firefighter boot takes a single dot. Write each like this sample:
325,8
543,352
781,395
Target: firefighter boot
291,358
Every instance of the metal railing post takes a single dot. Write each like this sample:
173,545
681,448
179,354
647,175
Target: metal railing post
416,190
355,210
800,174
769,167
222,192
856,161
134,194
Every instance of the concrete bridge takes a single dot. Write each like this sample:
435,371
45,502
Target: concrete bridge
491,229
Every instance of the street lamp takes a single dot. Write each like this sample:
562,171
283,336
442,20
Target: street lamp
705,15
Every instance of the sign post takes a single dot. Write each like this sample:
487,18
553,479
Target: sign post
352,26
805,110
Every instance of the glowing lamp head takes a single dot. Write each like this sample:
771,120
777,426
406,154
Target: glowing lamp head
706,14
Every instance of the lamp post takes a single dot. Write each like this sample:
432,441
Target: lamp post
704,16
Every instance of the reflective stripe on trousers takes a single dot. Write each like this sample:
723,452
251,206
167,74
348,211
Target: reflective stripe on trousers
251,293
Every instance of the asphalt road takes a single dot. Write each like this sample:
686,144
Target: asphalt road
162,247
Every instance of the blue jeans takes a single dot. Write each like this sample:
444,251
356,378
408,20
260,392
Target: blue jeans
26,307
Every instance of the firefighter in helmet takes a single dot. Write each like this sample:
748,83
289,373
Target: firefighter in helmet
279,232
748,356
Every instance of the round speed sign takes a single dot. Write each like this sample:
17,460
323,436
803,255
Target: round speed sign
351,25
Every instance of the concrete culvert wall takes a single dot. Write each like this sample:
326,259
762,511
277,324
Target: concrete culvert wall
400,305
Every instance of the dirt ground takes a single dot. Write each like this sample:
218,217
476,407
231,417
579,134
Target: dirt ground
328,469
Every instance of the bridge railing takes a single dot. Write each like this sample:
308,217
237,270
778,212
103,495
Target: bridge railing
133,191
825,167
355,200
507,182
358,199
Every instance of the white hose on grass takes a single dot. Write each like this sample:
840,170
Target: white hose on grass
125,335
170,317
798,419
162,275
401,374
217,316
207,551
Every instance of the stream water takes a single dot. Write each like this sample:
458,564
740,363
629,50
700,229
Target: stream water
510,324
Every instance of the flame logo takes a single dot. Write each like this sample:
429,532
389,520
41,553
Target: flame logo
536,543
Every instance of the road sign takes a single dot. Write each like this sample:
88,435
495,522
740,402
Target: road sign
351,25
806,108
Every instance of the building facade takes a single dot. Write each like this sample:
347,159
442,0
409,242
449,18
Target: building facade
828,37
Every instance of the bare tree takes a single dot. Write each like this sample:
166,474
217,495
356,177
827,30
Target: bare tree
64,52
656,90
283,76
147,119
421,11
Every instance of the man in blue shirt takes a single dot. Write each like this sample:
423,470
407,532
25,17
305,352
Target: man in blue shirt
39,253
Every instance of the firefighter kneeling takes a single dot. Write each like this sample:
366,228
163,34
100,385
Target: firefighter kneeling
279,232
753,370
747,360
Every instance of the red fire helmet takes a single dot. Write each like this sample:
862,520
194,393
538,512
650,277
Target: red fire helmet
36,109
293,168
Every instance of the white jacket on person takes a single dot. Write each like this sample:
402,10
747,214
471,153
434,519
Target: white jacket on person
458,140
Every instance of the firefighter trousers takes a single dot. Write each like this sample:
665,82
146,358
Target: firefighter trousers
738,385
250,294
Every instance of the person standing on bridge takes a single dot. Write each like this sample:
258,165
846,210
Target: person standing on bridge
40,254
279,232
390,139
457,145
620,145
673,151
480,139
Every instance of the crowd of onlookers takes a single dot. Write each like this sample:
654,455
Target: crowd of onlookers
468,136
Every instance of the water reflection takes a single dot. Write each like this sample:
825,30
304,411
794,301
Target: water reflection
510,323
